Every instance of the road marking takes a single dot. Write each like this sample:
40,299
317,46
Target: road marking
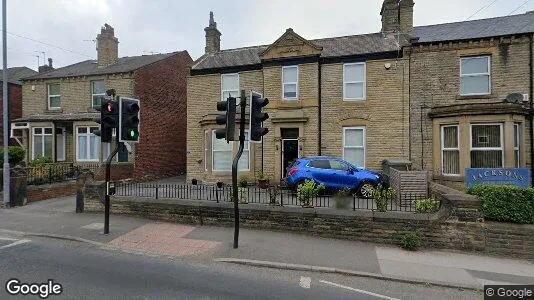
94,226
7,239
357,290
305,282
19,242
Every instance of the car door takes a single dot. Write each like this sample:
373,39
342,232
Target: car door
319,170
340,173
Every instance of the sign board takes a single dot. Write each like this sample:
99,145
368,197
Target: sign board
498,176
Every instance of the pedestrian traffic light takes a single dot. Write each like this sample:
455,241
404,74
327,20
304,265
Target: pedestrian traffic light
109,115
257,116
129,120
228,119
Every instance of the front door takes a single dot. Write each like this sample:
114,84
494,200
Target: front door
290,147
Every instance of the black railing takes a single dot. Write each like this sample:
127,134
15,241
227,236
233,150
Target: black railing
252,194
51,173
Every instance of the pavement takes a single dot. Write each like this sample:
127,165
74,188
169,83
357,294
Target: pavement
259,248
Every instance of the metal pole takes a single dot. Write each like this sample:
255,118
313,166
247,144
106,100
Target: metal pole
108,178
243,103
5,112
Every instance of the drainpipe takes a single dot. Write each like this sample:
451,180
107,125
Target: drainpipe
319,113
531,119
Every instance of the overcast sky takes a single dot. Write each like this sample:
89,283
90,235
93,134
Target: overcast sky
145,26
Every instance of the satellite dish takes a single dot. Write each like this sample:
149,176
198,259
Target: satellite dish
514,98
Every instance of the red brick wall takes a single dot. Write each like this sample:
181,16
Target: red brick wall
48,191
119,171
15,107
162,89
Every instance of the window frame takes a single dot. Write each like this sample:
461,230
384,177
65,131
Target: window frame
247,149
501,126
476,74
213,138
64,134
356,147
48,96
296,83
225,90
364,82
93,92
517,149
42,134
443,148
88,145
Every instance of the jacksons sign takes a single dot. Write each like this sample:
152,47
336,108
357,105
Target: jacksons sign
497,176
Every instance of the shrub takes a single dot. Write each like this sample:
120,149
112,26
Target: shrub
382,196
40,161
411,240
428,205
308,190
15,153
506,203
244,180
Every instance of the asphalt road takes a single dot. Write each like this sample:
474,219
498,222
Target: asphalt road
89,272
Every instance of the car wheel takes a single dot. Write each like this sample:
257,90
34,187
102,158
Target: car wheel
365,189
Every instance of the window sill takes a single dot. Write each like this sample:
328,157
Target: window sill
53,111
474,97
355,100
455,178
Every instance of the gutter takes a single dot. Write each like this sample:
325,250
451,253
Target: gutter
319,113
531,119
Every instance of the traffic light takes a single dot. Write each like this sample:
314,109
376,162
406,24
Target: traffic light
228,119
109,115
128,120
257,102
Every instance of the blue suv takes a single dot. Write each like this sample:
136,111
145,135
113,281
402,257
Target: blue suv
334,173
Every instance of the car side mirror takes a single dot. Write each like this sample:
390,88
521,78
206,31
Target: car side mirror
351,171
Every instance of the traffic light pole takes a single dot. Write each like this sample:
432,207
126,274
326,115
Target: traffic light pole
108,178
243,104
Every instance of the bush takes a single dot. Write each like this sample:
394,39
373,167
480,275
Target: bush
244,180
506,203
382,196
15,153
40,161
308,190
411,240
428,205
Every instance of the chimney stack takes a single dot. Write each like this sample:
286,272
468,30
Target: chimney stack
45,68
107,47
397,17
213,37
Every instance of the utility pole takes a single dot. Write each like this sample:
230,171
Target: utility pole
5,113
243,103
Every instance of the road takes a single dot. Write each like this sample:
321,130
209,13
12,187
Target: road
91,272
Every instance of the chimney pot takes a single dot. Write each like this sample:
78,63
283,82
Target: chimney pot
213,36
107,46
50,62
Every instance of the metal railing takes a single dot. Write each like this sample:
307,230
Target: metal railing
52,173
253,194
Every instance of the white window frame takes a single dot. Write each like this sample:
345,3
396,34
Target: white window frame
93,90
88,144
206,150
227,90
487,148
64,145
443,149
247,149
345,82
213,138
105,148
476,74
43,134
50,96
296,83
517,149
356,147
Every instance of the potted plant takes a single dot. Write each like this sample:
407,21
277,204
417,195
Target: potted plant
273,191
243,181
194,181
220,184
308,190
343,198
263,181
382,197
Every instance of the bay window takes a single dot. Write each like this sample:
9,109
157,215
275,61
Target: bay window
487,149
222,154
450,150
42,142
87,144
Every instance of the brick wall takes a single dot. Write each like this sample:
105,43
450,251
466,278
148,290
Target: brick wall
162,89
386,228
48,191
15,108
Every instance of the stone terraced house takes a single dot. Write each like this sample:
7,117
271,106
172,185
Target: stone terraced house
58,109
433,95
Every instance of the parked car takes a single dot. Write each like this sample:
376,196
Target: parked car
334,173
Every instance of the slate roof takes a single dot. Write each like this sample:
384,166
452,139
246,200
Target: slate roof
60,117
377,43
16,73
90,67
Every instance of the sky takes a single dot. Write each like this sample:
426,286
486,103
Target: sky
66,29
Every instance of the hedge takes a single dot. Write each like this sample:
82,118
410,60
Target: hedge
15,153
506,203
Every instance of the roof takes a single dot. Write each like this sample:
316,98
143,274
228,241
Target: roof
483,28
376,42
59,117
332,47
16,73
90,67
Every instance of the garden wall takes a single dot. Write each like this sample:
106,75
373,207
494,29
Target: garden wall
437,230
